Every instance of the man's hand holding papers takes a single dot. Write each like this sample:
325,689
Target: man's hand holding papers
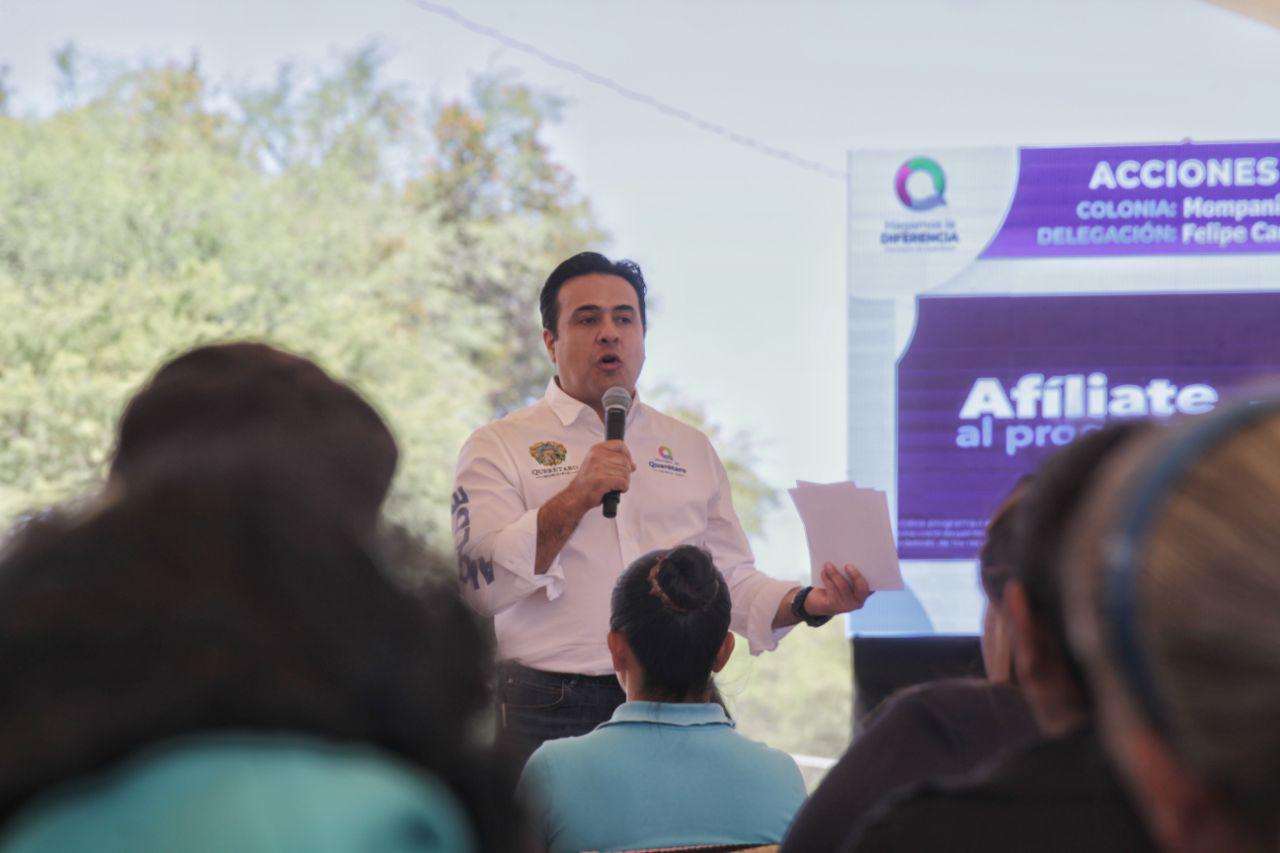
847,524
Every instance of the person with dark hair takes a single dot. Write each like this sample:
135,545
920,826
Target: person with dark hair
535,550
243,391
667,769
210,659
1056,793
938,728
996,560
589,263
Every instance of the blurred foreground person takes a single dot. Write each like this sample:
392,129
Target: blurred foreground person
210,660
667,769
934,729
1177,618
1057,793
243,392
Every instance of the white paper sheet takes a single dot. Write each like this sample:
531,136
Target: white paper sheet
846,524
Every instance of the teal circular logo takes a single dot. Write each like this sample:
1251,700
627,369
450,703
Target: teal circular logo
927,201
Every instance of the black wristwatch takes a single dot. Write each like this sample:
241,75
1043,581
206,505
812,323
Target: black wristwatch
798,611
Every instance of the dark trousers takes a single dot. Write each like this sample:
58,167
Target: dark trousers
536,706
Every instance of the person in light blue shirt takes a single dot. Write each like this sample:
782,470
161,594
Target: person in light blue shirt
667,769
251,792
212,657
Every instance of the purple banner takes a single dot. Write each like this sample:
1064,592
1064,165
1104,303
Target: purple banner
990,386
1218,198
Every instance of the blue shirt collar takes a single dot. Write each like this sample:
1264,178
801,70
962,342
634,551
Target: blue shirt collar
670,714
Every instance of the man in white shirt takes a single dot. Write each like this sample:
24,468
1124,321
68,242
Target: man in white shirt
534,548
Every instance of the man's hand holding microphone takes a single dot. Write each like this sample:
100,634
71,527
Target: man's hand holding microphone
605,473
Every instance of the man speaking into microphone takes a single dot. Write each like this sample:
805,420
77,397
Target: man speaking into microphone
531,497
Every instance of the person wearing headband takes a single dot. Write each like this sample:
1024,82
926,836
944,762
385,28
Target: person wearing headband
1176,618
667,769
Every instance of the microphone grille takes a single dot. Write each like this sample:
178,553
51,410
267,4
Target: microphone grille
616,397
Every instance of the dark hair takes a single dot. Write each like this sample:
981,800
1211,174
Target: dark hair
673,608
1052,501
999,548
231,592
243,392
586,263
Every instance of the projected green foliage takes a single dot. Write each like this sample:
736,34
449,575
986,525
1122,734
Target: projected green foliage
400,246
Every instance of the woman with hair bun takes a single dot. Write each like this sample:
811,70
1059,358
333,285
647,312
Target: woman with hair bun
668,769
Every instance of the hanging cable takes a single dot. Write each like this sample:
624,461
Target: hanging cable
626,92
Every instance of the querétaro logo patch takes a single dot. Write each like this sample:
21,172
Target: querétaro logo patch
666,462
548,453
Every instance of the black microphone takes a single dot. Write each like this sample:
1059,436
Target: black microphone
616,401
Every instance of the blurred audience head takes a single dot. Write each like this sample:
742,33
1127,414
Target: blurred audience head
230,590
1176,616
669,626
995,562
1032,602
233,393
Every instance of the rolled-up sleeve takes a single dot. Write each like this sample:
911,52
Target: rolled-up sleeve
495,532
755,595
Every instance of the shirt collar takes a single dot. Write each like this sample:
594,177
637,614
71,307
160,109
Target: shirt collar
568,409
670,714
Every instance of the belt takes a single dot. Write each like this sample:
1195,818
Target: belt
571,677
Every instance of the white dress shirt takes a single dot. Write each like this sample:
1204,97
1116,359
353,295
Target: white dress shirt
679,495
